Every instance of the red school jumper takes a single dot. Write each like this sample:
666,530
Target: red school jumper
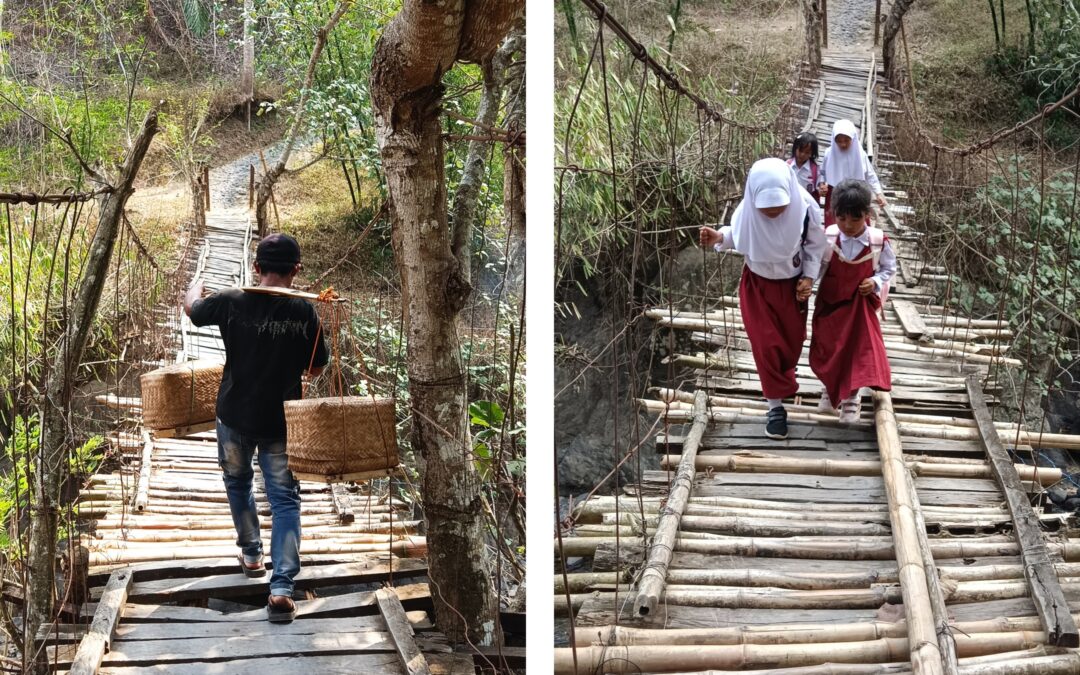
846,350
775,322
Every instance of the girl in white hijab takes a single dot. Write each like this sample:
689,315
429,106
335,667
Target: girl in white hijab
845,159
777,226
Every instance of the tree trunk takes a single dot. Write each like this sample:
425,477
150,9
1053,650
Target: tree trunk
514,172
1032,25
247,71
813,27
888,42
416,49
266,185
993,17
51,467
463,216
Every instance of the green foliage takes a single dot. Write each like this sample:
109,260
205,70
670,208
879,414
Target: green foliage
15,483
489,420
1024,261
94,122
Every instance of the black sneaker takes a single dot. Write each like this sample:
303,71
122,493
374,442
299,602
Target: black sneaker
776,426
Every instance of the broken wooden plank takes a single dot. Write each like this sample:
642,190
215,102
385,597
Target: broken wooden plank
1045,588
232,585
401,632
441,664
914,326
92,649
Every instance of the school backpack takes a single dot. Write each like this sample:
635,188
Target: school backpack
877,244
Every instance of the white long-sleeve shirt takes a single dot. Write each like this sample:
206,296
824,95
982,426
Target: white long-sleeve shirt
870,176
805,174
852,246
810,255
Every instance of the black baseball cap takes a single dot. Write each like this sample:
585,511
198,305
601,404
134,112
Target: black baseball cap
278,248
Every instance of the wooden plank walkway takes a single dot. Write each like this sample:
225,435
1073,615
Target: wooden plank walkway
165,590
786,555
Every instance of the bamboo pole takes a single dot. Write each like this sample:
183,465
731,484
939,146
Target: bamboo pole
652,578
853,467
781,634
608,501
946,642
829,548
926,656
914,430
679,658
143,491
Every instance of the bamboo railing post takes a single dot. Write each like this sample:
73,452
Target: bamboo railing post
926,657
1046,592
651,585
946,641
142,494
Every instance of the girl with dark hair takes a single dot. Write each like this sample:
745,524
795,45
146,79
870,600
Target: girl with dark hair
803,161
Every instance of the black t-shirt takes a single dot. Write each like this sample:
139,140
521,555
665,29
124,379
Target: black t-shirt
269,341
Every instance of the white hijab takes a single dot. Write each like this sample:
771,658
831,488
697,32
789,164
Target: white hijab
839,164
759,237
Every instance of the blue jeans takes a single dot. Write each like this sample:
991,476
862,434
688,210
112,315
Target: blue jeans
235,452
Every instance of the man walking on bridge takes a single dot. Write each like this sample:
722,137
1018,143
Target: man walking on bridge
270,341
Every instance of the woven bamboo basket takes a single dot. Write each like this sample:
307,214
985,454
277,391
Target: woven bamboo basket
341,439
181,394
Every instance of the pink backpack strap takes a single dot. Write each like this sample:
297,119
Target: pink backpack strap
832,234
877,245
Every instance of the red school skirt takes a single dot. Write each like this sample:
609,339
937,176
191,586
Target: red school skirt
846,350
775,322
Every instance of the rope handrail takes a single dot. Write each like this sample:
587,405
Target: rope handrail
987,141
32,198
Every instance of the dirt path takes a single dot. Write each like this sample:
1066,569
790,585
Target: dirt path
229,182
851,24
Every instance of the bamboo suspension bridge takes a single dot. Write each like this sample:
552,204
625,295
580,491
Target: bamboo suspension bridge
914,541
154,584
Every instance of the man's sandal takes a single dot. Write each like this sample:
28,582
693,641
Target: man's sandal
253,570
280,609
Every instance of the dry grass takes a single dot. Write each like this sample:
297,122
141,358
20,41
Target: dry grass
718,43
951,44
315,207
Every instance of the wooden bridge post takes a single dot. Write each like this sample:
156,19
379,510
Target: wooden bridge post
877,21
251,186
655,572
142,493
825,24
1046,592
206,188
